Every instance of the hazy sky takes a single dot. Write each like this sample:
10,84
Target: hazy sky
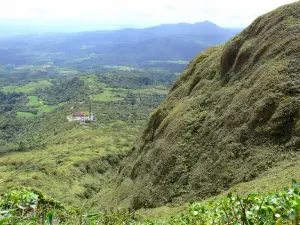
229,13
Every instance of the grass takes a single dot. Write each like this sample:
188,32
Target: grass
161,91
122,68
25,114
270,181
33,101
107,96
47,108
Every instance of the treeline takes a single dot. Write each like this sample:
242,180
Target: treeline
136,78
64,91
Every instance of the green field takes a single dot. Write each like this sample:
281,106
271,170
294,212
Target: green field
25,114
107,96
122,68
162,91
47,108
33,101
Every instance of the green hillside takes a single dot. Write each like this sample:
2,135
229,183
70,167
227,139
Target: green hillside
40,148
231,116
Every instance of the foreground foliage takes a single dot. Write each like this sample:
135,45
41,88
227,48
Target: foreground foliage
23,205
279,208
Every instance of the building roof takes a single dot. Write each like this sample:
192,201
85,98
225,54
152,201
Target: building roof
79,114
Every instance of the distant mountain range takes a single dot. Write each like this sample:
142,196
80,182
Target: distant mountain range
164,42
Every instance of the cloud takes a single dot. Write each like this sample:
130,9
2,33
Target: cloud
142,12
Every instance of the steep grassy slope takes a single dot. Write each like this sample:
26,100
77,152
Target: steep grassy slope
232,114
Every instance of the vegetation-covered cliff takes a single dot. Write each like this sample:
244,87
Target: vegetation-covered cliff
231,115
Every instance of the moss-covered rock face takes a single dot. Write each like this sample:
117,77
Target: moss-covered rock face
232,114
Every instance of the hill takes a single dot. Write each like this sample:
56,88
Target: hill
165,42
208,31
232,115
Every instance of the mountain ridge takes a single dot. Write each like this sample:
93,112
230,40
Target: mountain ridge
120,47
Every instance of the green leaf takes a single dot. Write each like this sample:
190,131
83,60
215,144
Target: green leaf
271,208
229,195
94,215
50,217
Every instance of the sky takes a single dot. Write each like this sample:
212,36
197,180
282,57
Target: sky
225,13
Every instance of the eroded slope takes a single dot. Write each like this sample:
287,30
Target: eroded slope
232,114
